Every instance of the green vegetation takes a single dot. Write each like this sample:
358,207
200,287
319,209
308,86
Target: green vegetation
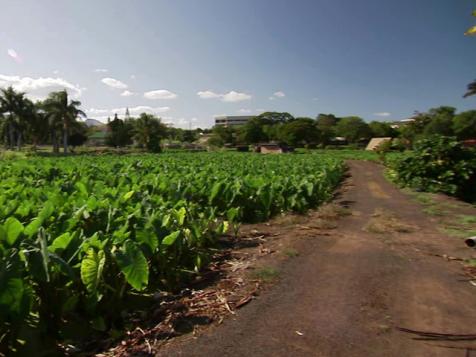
291,253
82,237
266,274
437,164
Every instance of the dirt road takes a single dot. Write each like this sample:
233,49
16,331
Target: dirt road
348,292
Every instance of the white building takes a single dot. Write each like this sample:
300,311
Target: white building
232,120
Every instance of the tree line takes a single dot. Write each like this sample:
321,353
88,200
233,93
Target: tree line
55,121
325,128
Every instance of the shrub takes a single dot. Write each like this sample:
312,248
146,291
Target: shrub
437,164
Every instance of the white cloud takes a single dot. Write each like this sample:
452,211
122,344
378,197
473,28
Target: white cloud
114,83
160,94
56,71
207,94
94,111
101,70
127,93
271,98
230,97
142,109
244,111
233,97
315,99
103,114
279,94
38,88
383,114
13,54
133,76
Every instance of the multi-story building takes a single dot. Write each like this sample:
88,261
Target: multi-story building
232,120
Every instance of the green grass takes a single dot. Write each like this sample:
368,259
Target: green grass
266,274
435,211
466,219
291,253
457,232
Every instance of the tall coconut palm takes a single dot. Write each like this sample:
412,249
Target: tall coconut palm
38,127
471,89
62,112
14,106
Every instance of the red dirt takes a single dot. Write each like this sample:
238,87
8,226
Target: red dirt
350,289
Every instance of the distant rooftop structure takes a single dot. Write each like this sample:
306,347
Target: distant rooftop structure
400,123
376,142
226,120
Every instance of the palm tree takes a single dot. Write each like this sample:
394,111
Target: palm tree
38,127
62,112
471,89
14,106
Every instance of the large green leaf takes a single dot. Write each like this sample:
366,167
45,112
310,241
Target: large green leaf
92,266
171,238
13,293
133,265
217,187
33,227
13,229
61,242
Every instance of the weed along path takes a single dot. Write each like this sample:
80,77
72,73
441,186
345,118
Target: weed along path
350,290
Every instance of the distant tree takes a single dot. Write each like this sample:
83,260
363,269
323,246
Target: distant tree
381,129
64,112
222,135
441,121
275,117
37,129
353,129
120,132
79,134
252,132
149,131
189,136
326,124
300,132
471,89
14,106
464,125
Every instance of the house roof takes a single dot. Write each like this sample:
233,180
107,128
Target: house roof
98,135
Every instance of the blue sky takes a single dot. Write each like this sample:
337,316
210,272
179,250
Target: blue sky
188,60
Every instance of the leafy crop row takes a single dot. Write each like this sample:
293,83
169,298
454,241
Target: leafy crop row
82,237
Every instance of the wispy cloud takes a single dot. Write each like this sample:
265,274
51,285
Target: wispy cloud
235,97
160,94
101,70
13,54
114,83
102,113
279,94
127,93
382,114
244,111
230,97
208,94
38,88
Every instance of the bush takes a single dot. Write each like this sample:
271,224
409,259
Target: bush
437,164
